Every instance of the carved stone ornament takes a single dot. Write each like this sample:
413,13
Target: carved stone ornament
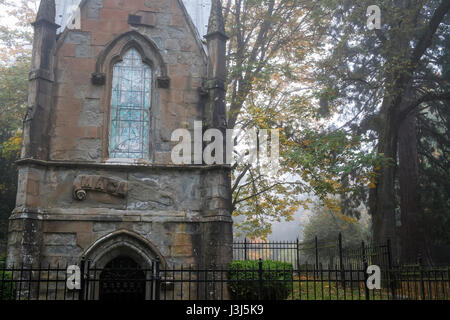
98,78
114,187
163,82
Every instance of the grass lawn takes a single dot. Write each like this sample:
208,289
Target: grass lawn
308,289
321,288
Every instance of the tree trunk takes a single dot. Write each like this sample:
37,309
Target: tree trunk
413,244
384,222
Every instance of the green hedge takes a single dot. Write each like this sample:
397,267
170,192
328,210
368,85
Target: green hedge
7,288
243,279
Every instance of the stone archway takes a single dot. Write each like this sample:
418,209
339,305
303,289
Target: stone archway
122,261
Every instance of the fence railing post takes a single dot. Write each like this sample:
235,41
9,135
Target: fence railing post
388,245
245,249
158,279
88,279
82,280
341,260
422,285
298,254
316,244
391,272
366,265
260,279
340,249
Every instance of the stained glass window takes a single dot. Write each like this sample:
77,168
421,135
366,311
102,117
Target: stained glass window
130,105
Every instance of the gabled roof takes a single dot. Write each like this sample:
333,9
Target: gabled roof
198,10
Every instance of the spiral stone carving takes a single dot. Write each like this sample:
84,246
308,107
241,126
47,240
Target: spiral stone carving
80,194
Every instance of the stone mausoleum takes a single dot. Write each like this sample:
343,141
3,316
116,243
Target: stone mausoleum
110,81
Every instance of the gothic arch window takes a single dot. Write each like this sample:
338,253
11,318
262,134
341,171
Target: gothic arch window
130,108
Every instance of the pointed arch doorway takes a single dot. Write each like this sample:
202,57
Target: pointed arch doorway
121,267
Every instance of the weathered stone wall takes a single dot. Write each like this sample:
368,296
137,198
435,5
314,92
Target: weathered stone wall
182,211
175,208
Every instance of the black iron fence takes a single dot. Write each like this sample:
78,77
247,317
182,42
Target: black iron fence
314,270
193,283
325,251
